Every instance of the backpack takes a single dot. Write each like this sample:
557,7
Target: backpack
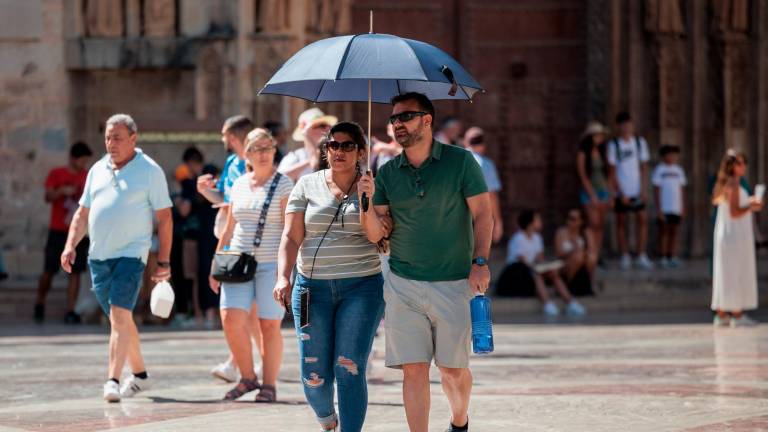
615,143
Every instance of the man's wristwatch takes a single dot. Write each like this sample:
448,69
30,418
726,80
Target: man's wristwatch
164,264
481,261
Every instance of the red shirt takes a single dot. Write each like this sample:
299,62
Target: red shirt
63,208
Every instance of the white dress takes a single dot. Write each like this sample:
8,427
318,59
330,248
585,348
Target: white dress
734,282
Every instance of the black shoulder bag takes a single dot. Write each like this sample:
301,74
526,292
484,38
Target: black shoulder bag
234,267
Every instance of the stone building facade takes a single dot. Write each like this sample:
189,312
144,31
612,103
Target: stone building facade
694,73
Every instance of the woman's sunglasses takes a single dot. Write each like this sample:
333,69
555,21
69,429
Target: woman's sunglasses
406,116
346,146
265,149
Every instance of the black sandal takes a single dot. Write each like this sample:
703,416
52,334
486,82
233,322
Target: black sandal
243,387
267,394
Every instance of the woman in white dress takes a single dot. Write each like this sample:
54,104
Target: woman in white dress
734,282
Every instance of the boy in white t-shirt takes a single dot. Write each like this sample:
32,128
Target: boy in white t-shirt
526,248
628,159
668,183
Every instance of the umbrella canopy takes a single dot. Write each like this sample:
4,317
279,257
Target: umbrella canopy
338,69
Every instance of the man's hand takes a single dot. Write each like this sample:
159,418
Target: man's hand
205,182
161,274
68,258
282,292
479,278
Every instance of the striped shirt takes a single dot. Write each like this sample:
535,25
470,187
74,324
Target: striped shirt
246,209
346,251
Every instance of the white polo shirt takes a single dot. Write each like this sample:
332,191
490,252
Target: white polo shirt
122,205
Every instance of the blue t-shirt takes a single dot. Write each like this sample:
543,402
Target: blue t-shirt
121,206
490,174
234,167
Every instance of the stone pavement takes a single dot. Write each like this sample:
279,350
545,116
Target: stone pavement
596,377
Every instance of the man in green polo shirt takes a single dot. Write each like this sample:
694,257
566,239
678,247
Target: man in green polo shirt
440,240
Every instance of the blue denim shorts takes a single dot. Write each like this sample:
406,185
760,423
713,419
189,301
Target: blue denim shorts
257,290
116,281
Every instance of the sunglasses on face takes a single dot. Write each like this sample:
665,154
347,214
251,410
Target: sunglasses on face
477,140
260,149
346,146
405,116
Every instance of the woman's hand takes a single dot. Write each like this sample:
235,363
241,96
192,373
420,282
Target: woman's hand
214,284
282,292
755,204
366,185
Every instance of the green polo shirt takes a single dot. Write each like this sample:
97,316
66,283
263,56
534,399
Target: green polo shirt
432,239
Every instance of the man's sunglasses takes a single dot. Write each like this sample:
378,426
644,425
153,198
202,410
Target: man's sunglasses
405,116
346,146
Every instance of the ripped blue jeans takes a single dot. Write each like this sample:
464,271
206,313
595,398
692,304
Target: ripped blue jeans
343,317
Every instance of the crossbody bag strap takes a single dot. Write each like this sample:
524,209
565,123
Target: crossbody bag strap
265,210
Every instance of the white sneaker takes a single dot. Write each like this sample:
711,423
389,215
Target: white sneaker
575,309
626,262
550,309
743,321
111,391
720,322
134,385
644,263
226,371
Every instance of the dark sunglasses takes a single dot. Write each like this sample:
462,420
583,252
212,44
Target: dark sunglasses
346,146
405,116
477,140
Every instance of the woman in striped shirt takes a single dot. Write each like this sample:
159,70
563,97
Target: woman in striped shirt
340,267
247,198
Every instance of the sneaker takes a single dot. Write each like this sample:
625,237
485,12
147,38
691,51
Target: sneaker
134,385
575,309
550,309
743,321
720,322
644,263
675,262
226,371
665,263
626,262
72,318
39,313
111,391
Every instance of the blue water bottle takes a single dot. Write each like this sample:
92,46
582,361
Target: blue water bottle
482,327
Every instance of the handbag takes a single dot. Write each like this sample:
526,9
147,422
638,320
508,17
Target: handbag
237,267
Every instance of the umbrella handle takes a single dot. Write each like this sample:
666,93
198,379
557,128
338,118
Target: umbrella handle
364,202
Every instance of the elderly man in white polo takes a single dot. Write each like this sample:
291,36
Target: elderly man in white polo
123,192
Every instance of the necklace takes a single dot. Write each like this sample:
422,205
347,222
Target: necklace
343,195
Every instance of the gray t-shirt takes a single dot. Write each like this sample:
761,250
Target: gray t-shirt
345,252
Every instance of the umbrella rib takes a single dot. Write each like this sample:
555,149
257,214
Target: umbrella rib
344,57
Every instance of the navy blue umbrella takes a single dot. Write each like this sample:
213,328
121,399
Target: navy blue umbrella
338,69
371,68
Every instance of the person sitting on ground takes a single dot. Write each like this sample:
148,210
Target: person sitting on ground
524,253
575,245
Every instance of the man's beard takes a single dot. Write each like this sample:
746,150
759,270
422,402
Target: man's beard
411,138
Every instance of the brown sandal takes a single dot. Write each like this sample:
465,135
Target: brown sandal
267,394
243,387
